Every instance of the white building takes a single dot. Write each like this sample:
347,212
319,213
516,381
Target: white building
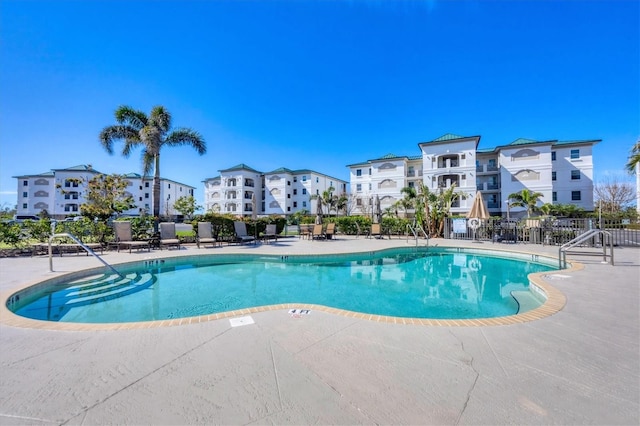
279,192
61,192
561,170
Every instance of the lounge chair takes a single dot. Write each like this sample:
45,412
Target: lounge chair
317,233
124,238
376,231
205,234
168,235
330,232
241,233
270,233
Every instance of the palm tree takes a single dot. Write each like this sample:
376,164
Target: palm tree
634,158
151,132
527,199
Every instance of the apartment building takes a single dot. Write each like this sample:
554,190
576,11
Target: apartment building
278,192
61,192
561,170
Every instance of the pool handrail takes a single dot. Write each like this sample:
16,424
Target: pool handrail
605,237
81,244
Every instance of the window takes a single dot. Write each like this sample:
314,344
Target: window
412,185
180,189
295,192
295,204
369,171
304,191
146,184
304,204
288,195
576,196
295,178
70,184
288,183
358,173
139,198
370,187
25,183
169,186
553,156
553,175
146,195
304,178
317,179
554,196
24,205
359,187
288,209
575,153
575,174
25,194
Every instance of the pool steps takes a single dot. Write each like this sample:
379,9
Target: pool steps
109,287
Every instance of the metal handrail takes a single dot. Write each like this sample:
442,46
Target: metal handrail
605,237
414,231
81,244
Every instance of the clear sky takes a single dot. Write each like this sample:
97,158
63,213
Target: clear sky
313,84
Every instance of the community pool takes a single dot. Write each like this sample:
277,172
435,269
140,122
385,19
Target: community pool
406,282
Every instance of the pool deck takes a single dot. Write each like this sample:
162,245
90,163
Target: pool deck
580,365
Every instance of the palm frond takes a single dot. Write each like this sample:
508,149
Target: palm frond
110,134
160,118
185,136
127,115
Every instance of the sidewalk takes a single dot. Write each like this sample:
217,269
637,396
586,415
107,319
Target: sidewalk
578,366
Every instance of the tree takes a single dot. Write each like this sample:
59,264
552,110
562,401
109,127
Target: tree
634,158
187,206
612,196
151,133
527,199
106,195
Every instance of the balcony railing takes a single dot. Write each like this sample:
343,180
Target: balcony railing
493,186
479,168
493,205
492,168
480,187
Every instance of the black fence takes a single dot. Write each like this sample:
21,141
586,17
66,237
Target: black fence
540,231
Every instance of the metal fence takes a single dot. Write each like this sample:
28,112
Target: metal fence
541,231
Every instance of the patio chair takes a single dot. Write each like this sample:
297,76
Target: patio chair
168,235
330,232
305,231
241,233
205,234
317,233
375,231
270,233
124,238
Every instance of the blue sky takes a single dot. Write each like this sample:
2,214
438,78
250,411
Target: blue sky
313,84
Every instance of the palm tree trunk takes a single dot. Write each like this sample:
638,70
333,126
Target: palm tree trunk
156,193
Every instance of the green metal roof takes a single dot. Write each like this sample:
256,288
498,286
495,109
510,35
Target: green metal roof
447,137
280,170
79,168
240,166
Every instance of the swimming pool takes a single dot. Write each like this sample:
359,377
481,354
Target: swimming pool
405,282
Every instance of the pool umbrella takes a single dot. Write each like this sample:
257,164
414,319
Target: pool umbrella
478,209
377,210
254,207
319,212
477,213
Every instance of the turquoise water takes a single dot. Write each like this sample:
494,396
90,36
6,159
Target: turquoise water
402,283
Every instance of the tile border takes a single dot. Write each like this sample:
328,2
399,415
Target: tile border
555,302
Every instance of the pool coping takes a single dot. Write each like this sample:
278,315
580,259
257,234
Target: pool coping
555,302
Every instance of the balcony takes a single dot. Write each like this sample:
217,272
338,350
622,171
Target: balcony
493,205
479,168
492,168
480,187
491,186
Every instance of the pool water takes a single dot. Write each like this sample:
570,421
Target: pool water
403,283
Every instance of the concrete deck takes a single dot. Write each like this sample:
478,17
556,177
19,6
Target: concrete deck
580,365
